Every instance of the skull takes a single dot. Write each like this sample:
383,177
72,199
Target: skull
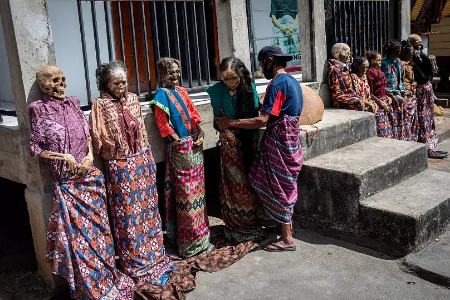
52,81
232,80
169,71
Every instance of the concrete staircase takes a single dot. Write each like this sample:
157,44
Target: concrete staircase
372,190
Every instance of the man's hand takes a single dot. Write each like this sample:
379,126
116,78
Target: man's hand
223,122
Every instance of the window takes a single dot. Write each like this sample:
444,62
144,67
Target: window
275,22
362,24
138,32
7,104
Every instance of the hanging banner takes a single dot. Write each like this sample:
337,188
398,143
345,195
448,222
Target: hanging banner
275,22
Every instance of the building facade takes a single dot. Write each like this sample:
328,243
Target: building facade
77,35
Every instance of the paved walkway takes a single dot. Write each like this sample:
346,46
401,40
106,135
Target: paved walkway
321,268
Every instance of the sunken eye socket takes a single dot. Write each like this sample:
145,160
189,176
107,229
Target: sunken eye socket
55,80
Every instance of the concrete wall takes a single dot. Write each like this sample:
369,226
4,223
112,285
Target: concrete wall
232,30
6,98
28,46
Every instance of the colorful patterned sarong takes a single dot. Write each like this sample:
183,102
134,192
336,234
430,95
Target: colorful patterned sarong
133,203
426,126
184,186
239,203
276,168
397,118
79,240
410,120
383,119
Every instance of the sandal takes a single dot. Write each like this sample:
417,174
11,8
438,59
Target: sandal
274,247
436,155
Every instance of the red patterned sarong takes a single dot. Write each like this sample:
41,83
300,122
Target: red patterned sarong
426,127
276,168
79,240
186,219
239,203
133,202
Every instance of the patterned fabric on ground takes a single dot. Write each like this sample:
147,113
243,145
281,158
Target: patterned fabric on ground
184,186
276,168
182,281
133,201
239,203
79,240
426,126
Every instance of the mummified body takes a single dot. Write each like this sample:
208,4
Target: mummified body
60,135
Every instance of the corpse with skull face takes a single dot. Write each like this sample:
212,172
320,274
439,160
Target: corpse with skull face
342,93
120,137
60,135
52,81
236,98
179,122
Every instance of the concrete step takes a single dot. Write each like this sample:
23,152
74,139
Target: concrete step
338,128
433,262
408,214
332,185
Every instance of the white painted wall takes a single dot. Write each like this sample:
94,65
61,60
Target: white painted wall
65,27
6,97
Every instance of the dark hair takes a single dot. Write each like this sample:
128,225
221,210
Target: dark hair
371,56
104,71
357,62
391,47
164,64
407,48
279,61
246,109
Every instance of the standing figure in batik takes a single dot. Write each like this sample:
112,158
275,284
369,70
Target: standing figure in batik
79,240
277,165
120,138
410,109
377,83
236,97
393,71
179,123
343,95
423,74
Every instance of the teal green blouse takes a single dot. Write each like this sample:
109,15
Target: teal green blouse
221,101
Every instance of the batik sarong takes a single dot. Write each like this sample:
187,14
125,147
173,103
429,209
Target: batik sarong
276,168
239,202
79,240
383,120
426,126
410,121
186,220
133,202
397,118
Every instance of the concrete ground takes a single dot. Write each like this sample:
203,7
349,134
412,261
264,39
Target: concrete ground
327,268
321,268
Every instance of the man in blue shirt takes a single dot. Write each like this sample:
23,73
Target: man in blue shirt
277,165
